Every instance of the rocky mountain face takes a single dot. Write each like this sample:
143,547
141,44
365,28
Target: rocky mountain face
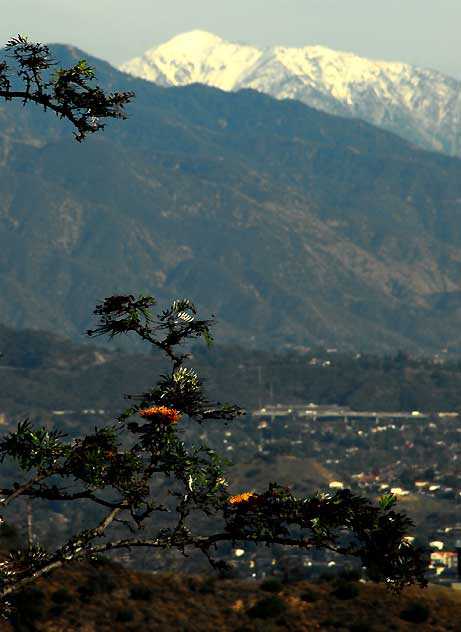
291,226
421,105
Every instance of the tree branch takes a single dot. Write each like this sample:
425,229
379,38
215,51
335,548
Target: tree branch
52,494
76,550
25,487
30,578
40,99
68,93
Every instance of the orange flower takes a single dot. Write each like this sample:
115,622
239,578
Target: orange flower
242,498
160,413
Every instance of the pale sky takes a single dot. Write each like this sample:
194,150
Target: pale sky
420,32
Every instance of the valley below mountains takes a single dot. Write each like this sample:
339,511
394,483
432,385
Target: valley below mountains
290,225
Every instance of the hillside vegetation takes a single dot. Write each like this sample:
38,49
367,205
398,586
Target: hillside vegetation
107,597
290,225
42,372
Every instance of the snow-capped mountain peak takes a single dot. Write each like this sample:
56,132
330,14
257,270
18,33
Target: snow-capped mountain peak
337,71
197,39
421,105
195,57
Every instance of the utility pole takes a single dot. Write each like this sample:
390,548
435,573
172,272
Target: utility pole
458,551
29,522
259,385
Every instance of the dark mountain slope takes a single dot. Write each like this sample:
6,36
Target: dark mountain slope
290,225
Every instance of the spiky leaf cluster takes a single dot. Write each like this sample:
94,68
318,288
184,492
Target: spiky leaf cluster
33,448
342,522
69,92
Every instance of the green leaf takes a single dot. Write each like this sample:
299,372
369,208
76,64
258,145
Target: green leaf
387,501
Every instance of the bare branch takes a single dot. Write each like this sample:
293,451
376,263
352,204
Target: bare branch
99,530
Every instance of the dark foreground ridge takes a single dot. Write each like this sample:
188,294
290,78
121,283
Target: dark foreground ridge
107,597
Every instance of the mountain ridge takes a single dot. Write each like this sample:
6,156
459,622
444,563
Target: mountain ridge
419,104
292,226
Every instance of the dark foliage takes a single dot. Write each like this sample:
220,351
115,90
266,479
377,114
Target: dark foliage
309,595
98,583
360,627
140,593
28,608
55,612
62,596
345,590
124,615
268,608
416,612
272,585
68,93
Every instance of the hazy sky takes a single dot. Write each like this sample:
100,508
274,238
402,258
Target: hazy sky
421,32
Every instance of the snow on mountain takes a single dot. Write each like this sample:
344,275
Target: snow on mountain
195,57
422,105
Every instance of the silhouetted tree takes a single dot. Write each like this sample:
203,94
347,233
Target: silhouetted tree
68,92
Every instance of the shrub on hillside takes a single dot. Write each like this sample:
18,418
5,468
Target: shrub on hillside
61,596
204,586
268,608
103,561
10,538
56,611
332,624
350,574
208,586
360,627
308,595
101,582
416,612
327,576
124,615
272,585
29,608
140,592
345,590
